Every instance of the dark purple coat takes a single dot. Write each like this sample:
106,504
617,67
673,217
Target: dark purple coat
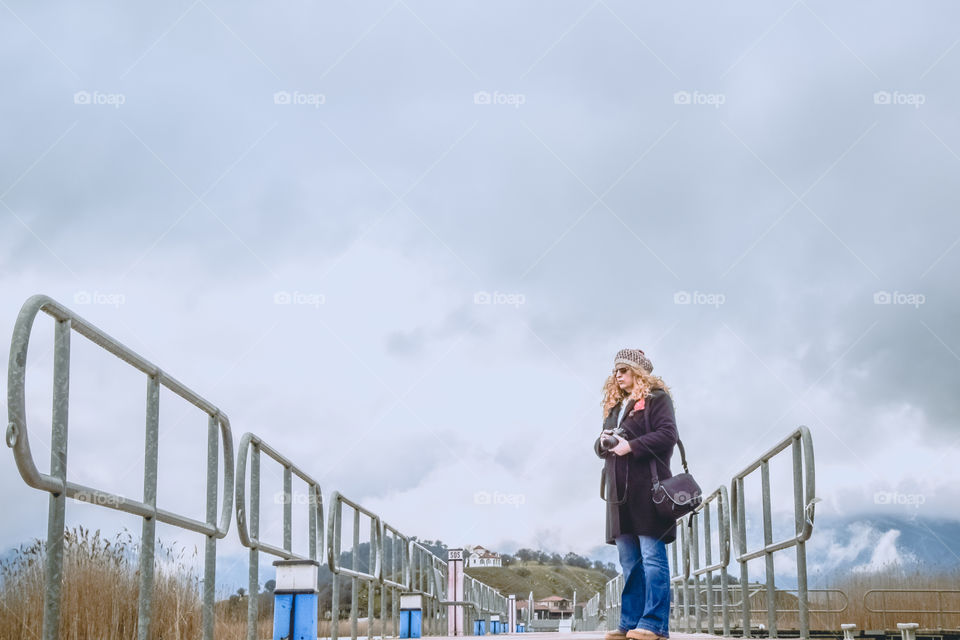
638,514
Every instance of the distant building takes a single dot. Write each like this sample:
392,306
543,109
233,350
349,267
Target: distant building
550,608
482,557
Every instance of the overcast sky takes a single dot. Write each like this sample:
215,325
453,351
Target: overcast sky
402,241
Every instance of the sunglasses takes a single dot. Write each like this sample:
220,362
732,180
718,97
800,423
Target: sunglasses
620,370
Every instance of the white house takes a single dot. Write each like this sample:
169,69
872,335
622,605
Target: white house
482,557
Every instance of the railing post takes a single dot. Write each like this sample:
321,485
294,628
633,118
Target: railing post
694,545
530,613
56,512
354,580
149,528
799,510
335,578
908,630
210,552
768,556
687,587
742,548
723,511
253,605
371,587
707,544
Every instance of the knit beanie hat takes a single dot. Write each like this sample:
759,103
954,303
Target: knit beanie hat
633,357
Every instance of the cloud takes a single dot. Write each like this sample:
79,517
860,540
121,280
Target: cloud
885,554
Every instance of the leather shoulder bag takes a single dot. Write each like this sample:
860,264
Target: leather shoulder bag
678,495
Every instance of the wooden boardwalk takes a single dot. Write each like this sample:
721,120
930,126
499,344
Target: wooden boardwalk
596,635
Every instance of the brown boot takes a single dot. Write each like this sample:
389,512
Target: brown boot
615,635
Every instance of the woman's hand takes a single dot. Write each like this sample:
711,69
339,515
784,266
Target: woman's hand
622,448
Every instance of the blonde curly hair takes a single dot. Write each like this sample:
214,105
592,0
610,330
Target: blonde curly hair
645,385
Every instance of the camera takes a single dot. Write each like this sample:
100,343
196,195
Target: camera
608,440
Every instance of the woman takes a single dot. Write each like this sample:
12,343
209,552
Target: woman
641,405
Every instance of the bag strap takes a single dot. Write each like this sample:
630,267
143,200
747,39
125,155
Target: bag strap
608,477
653,464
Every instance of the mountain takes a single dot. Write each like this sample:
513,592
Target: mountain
870,543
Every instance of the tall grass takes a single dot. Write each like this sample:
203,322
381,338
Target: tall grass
99,590
101,586
856,585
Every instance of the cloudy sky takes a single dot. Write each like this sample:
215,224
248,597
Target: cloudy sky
401,241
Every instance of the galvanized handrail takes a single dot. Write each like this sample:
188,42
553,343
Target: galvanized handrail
482,597
59,487
804,495
415,559
404,557
679,551
334,522
736,598
613,592
591,613
399,551
427,575
702,514
940,611
252,446
482,600
374,576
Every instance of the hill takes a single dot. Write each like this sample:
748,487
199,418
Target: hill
543,579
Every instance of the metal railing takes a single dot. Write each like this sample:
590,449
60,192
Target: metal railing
249,529
758,592
412,566
60,488
686,572
700,519
395,579
613,591
484,601
939,612
679,552
591,613
804,491
374,573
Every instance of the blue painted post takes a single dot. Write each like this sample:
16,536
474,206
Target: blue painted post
295,600
479,627
411,615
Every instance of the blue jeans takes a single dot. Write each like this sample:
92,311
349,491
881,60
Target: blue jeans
645,602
